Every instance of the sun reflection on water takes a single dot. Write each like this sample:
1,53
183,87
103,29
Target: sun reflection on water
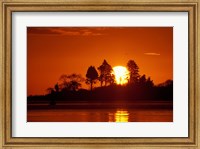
119,116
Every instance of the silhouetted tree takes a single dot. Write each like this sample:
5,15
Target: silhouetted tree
167,83
50,90
71,82
133,70
111,79
52,95
149,82
142,80
165,90
91,75
74,85
56,87
106,73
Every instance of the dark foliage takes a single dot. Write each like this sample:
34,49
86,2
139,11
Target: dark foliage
112,93
106,75
139,88
92,76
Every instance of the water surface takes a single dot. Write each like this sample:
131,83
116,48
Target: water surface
100,115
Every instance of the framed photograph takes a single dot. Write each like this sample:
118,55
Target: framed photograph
86,74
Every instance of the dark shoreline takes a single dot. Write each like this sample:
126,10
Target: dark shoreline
85,105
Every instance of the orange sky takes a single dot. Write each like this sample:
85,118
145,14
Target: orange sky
53,51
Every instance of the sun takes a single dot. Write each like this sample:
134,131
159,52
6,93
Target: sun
121,74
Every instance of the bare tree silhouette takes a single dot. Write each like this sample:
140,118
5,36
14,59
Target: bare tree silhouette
71,82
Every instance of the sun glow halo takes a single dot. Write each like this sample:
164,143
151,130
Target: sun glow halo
121,74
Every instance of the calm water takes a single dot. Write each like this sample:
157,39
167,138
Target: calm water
100,115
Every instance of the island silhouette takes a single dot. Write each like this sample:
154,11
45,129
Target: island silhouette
138,88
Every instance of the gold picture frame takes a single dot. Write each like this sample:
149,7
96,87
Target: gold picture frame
9,6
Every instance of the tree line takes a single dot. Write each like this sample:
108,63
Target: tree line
103,74
138,87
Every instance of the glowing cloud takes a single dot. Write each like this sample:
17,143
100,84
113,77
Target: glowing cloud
152,54
64,31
